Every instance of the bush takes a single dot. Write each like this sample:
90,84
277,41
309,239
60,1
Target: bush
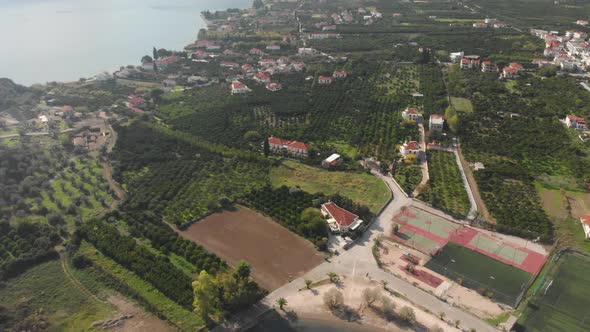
333,299
407,315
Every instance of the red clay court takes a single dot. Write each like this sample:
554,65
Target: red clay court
428,233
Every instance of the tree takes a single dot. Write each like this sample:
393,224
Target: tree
333,277
147,59
157,94
549,71
407,315
155,53
253,136
308,283
266,147
202,34
457,323
384,283
281,302
441,315
436,328
257,4
242,271
333,299
205,292
371,295
387,307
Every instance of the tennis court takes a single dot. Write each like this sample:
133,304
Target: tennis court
561,301
489,277
428,233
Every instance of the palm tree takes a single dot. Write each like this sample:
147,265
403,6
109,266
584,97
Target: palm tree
441,315
308,283
281,302
384,283
457,323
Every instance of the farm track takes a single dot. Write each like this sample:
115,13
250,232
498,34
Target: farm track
481,206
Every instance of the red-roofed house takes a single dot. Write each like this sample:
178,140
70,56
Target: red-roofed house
339,219
136,101
67,108
469,63
267,62
489,67
262,77
200,54
256,51
283,60
572,121
238,88
297,66
585,220
325,80
480,25
273,87
339,74
412,113
246,68
509,72
516,66
499,25
135,109
295,148
412,147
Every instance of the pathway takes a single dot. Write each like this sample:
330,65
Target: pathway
359,260
424,163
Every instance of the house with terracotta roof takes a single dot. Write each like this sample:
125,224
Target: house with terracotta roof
325,80
575,122
273,86
516,66
200,54
262,77
436,123
489,67
283,60
267,62
339,74
509,72
246,68
256,51
585,221
480,25
136,101
411,113
470,62
499,25
340,220
295,148
239,88
411,148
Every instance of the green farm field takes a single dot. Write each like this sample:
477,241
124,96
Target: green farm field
362,188
561,301
447,191
489,277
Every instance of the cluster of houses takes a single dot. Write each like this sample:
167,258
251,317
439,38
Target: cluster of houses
436,124
474,62
570,51
324,80
364,15
490,23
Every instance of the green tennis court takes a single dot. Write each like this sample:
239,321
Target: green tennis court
417,241
430,222
498,248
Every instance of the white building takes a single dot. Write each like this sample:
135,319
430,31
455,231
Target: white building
331,161
436,123
585,221
339,219
574,122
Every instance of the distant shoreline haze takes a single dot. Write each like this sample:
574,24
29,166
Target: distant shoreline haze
64,40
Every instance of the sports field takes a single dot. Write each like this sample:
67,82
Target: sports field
489,277
429,233
562,299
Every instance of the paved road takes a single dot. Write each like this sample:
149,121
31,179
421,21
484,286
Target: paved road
359,260
39,133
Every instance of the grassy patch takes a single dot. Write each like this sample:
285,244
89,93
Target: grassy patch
459,20
362,188
462,104
561,301
46,288
171,310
